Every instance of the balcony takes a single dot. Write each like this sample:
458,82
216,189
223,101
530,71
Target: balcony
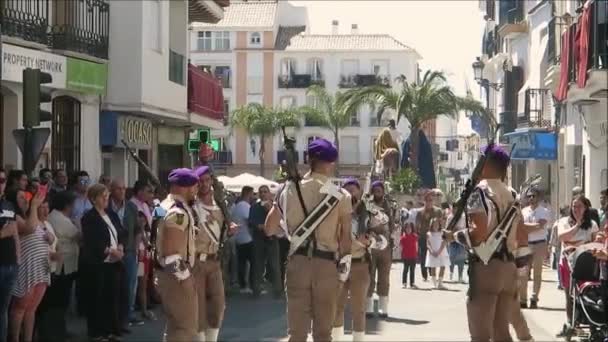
512,19
222,158
81,26
205,95
22,20
537,112
364,80
299,81
282,155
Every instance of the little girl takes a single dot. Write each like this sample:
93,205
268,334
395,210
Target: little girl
409,253
437,253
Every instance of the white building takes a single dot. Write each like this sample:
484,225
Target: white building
265,53
147,103
558,133
73,48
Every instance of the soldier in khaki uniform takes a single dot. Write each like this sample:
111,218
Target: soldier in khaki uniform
175,246
358,282
312,275
493,288
207,266
382,259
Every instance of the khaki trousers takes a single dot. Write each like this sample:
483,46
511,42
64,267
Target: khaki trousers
381,265
180,305
210,292
539,252
356,285
518,321
312,291
490,307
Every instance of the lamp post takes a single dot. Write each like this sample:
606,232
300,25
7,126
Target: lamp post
478,67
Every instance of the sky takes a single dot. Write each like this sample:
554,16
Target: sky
446,33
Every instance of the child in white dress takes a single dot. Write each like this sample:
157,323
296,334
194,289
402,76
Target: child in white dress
437,253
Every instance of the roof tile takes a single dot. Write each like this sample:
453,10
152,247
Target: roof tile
244,14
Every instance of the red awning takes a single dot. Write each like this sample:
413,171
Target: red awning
205,94
562,88
582,44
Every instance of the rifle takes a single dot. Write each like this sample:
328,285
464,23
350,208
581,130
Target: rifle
219,196
292,168
153,179
471,184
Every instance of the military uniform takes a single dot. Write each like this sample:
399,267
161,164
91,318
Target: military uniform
208,271
178,295
381,261
358,282
492,300
312,282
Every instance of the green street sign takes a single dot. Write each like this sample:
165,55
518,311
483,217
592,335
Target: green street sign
203,136
194,145
215,144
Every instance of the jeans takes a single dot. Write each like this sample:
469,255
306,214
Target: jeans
8,276
409,266
266,256
130,262
244,253
460,265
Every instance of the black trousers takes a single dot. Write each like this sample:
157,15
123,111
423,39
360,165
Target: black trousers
51,314
102,283
245,255
409,266
283,252
266,263
422,257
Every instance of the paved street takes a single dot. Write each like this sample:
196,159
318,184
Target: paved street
416,315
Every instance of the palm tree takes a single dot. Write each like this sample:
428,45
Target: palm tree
263,122
418,103
333,112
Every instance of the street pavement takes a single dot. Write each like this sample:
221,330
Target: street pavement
414,315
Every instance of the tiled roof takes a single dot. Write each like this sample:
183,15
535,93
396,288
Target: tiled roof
244,14
291,38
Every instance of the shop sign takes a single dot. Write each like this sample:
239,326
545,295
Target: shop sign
86,77
135,132
15,59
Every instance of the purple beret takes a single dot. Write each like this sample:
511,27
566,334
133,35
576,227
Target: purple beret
182,177
202,170
351,181
377,183
322,149
497,154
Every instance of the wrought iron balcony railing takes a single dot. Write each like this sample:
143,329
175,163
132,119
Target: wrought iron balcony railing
81,26
222,158
536,109
363,80
299,81
28,20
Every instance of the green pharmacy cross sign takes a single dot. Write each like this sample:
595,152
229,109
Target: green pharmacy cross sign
203,136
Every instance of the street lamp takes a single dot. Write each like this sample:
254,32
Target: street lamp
478,67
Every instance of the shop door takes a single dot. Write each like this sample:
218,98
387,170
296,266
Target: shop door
169,157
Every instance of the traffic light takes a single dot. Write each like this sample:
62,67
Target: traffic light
33,96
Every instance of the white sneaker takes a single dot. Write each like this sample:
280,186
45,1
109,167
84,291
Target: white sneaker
440,285
337,333
358,336
383,307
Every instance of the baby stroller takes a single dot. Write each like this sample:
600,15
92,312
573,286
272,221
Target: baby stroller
588,316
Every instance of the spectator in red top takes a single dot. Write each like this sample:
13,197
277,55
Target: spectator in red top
409,253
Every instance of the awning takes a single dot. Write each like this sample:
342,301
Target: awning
236,184
537,63
533,144
205,94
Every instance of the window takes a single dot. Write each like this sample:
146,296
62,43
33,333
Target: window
354,119
349,151
222,40
204,41
255,39
222,73
176,67
154,33
65,153
459,155
315,69
288,67
226,112
380,68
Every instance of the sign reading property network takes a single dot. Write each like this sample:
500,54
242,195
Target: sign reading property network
68,73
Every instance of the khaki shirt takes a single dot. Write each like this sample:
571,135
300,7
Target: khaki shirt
490,195
327,234
424,217
178,216
210,218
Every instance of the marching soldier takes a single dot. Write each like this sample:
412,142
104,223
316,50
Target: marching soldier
312,275
207,266
492,294
175,246
381,259
358,282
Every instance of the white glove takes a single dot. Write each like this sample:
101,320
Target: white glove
175,265
182,275
344,267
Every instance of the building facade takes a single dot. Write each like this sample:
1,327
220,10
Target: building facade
68,40
554,118
263,52
153,97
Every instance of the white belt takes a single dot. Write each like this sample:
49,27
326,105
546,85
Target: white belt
202,257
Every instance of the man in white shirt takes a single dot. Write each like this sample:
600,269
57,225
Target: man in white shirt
243,239
536,218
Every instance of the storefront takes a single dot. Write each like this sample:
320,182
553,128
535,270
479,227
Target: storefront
136,132
171,150
76,89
